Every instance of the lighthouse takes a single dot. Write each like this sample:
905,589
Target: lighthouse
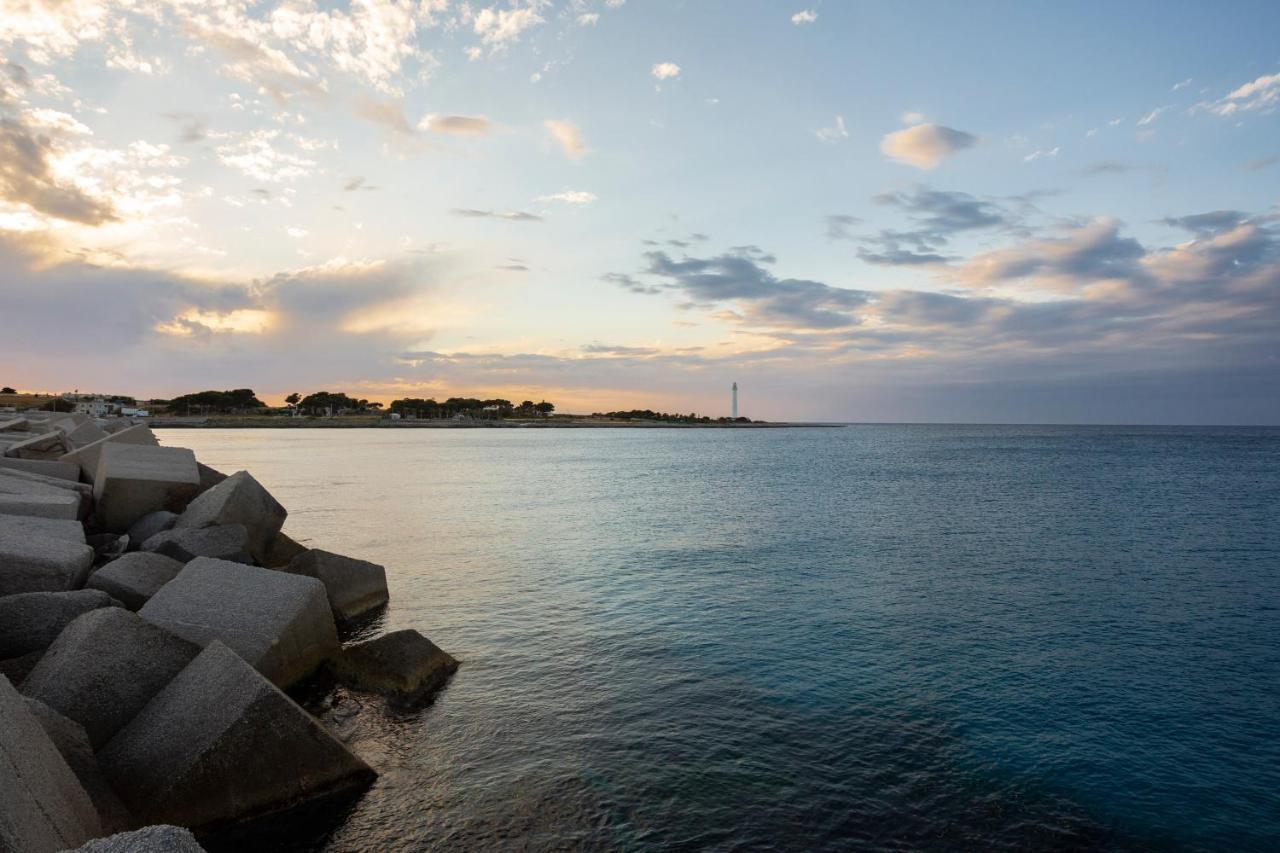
735,401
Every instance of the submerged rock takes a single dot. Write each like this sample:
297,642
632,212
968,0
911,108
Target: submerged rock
403,665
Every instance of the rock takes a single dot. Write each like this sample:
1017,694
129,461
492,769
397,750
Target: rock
47,467
46,528
135,577
30,622
73,744
149,839
355,587
45,481
84,434
105,667
87,457
133,480
209,477
223,542
66,506
239,499
279,623
107,546
17,669
46,445
189,761
17,483
43,806
403,664
281,550
151,524
9,424
31,562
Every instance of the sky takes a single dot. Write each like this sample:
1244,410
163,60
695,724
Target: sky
890,211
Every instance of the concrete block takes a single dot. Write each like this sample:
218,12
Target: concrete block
239,499
279,623
73,744
403,664
87,457
149,525
30,622
47,467
209,477
8,424
66,506
18,483
133,578
45,445
43,806
43,528
223,542
133,480
35,563
189,761
17,669
105,667
281,550
354,587
84,434
46,481
149,839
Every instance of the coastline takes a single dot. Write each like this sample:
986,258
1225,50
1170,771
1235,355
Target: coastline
383,423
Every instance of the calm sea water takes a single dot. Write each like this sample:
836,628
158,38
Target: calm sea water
875,637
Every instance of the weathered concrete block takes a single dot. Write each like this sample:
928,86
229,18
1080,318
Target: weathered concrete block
43,806
66,506
45,481
133,578
354,587
45,445
16,483
280,623
104,667
189,761
403,664
209,477
149,525
35,563
43,528
133,480
223,542
73,744
83,434
239,499
47,467
30,622
7,424
87,457
281,550
149,839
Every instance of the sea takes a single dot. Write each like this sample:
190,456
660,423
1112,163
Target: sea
871,637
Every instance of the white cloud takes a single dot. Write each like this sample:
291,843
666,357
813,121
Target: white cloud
805,16
456,125
925,146
1181,85
499,28
575,197
1151,117
1262,93
255,155
296,232
834,133
568,135
1042,153
913,118
589,19
665,71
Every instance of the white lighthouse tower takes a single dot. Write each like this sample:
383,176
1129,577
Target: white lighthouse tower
735,401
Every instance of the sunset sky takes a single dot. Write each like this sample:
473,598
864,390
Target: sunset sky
1022,212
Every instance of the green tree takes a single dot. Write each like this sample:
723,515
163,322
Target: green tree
7,390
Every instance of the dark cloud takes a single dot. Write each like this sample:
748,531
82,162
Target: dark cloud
611,349
838,225
631,283
357,183
191,128
510,216
935,215
25,178
1204,224
1262,163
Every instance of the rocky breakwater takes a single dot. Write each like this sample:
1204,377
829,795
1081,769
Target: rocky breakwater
153,614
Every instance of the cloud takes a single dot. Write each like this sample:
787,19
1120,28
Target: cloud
935,216
1081,256
805,16
26,177
510,216
357,183
665,71
1151,117
568,136
499,28
614,349
925,146
834,133
191,128
1110,167
1181,85
383,111
574,197
456,125
588,19
1262,163
1259,94
1042,153
838,225
1207,224
256,154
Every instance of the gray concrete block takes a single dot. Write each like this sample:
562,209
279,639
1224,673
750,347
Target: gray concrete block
46,481
44,528
66,506
83,434
43,806
280,623
209,477
8,424
133,578
133,480
403,664
73,744
47,467
149,525
87,457
239,499
17,669
30,622
281,550
189,761
17,483
149,839
105,667
223,542
30,562
46,444
354,587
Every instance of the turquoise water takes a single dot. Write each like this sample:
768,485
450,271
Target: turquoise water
875,637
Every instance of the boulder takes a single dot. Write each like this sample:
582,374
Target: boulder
149,839
107,546
209,477
17,669
43,806
133,578
222,542
11,423
30,622
187,760
33,562
73,744
82,434
47,467
281,550
46,528
46,445
105,667
65,506
151,524
279,623
133,480
239,499
87,457
354,587
403,664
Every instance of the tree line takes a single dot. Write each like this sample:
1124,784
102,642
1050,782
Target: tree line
244,401
665,417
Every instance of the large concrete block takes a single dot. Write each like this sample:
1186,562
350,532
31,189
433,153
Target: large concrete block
43,806
105,667
281,551
149,525
10,423
239,499
50,444
133,480
46,482
43,528
403,665
209,477
149,839
66,506
17,483
133,578
47,467
83,434
354,587
31,621
280,623
30,562
222,542
87,457
73,744
191,761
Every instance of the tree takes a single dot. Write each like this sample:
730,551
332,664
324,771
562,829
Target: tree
222,402
293,399
7,390
545,409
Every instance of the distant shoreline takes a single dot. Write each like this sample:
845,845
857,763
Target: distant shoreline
382,423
